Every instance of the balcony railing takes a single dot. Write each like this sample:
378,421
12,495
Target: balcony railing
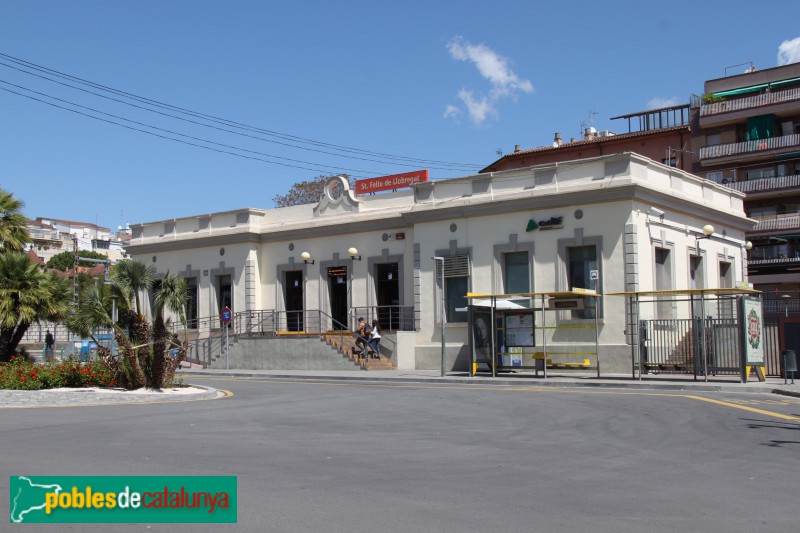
777,254
758,145
777,222
765,184
759,100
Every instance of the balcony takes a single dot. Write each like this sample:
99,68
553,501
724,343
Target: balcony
780,254
765,184
756,147
785,221
750,102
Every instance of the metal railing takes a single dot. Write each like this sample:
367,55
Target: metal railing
777,222
758,145
749,102
693,346
765,184
206,338
390,317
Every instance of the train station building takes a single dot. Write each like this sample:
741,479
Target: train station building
611,224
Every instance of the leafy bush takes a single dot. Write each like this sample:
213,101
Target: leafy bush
21,374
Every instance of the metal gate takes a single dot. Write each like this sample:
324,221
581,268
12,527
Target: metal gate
697,346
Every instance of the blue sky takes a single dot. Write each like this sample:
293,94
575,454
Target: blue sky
443,81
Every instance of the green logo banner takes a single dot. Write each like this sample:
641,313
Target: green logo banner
122,499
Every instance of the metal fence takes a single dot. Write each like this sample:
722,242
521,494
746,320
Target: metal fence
389,317
709,346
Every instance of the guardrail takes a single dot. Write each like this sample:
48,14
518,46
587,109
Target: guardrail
765,184
758,145
749,102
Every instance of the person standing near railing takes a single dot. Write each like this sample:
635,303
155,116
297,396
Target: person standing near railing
361,334
375,339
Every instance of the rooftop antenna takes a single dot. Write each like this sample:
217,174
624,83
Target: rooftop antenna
499,152
588,123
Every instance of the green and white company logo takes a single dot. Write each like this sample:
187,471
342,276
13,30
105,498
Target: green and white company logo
122,499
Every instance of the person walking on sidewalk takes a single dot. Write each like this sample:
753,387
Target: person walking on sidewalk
49,344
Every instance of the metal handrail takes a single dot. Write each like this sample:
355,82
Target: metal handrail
749,102
757,145
765,184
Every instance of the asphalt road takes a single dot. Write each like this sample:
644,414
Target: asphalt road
341,457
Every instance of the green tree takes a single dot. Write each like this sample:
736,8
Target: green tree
64,260
146,347
27,295
13,224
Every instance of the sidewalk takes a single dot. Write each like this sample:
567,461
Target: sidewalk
526,379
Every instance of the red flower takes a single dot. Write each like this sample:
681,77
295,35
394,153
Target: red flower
23,378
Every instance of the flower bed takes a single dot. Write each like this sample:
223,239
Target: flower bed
21,374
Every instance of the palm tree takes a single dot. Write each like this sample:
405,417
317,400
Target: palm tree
131,278
13,230
27,295
146,360
171,296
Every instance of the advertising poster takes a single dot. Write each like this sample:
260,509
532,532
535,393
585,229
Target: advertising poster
752,331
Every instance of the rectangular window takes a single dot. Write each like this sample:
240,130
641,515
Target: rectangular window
760,173
516,273
581,260
715,176
671,162
726,303
713,139
696,280
456,286
663,265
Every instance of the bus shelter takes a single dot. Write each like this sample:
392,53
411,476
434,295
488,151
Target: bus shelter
506,335
702,332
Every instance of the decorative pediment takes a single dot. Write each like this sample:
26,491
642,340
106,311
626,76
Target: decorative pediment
337,197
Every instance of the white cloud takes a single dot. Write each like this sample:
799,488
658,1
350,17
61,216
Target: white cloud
496,69
789,52
658,102
479,108
491,66
451,111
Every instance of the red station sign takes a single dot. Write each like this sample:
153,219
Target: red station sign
387,183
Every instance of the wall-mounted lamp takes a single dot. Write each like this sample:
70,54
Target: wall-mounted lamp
708,231
657,212
353,253
306,257
748,245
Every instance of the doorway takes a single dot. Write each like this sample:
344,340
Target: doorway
224,293
191,302
337,291
387,281
293,294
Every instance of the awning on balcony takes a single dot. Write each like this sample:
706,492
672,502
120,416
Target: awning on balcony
761,127
758,87
787,156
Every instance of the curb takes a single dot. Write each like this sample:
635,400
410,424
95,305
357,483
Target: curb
75,398
519,382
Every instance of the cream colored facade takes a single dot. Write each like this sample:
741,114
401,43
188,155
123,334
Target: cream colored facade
641,218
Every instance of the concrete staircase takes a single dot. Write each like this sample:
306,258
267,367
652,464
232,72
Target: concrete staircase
346,345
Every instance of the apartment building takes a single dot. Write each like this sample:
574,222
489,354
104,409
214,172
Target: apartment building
746,136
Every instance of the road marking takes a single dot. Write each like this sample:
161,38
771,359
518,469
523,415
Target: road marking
502,388
744,407
225,394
